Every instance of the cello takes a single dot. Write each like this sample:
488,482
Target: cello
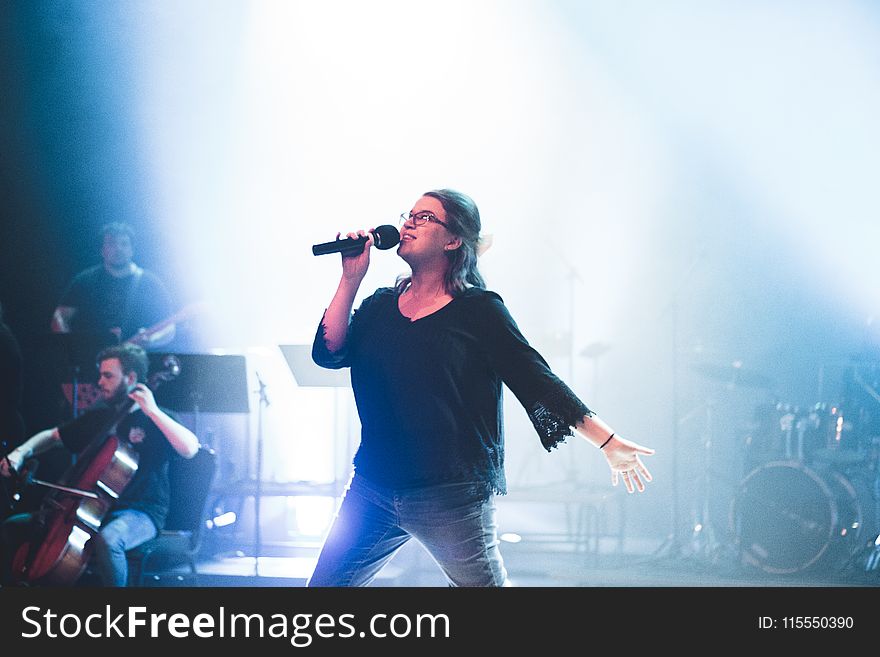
74,511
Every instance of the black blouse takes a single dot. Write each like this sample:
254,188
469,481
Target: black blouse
428,392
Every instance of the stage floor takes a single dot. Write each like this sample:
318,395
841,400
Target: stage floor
534,564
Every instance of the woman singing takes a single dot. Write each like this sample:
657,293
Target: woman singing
427,359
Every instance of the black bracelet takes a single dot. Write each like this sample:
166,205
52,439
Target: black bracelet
607,441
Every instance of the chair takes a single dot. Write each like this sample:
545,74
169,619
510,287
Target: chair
190,482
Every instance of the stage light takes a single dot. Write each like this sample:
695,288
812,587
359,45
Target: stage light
224,519
312,514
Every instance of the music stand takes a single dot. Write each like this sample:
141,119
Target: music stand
307,373
207,383
72,354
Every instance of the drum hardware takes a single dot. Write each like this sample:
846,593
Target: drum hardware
861,394
811,497
777,434
703,542
794,425
832,437
821,434
872,562
864,565
789,518
867,388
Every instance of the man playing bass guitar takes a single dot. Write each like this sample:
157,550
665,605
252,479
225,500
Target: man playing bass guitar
113,302
142,507
116,298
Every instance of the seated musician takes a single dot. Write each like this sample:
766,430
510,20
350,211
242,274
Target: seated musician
142,507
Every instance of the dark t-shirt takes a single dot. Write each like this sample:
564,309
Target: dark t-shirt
103,301
148,490
429,392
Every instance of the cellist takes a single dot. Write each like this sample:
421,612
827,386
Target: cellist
155,435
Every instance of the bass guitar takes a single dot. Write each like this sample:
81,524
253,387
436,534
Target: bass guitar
86,394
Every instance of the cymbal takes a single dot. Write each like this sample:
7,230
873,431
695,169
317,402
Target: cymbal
733,374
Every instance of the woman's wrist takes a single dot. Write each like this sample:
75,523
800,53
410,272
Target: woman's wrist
595,430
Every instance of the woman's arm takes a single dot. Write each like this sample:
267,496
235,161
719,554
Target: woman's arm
622,455
338,313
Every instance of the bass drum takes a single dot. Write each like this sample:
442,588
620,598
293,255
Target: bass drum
788,518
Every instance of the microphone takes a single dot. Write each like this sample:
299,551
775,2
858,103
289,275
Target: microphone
384,237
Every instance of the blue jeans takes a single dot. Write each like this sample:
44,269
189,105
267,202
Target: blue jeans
122,531
454,522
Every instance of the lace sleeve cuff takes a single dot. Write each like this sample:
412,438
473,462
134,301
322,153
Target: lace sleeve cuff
554,416
322,355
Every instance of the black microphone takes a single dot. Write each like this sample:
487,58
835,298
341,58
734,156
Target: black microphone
384,237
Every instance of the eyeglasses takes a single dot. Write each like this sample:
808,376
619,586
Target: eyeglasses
421,218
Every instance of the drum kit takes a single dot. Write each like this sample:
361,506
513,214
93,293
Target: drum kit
808,499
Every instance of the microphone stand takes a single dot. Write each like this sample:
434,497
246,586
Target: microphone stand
258,490
573,276
571,475
673,545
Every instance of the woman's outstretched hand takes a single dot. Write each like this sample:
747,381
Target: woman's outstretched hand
623,459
